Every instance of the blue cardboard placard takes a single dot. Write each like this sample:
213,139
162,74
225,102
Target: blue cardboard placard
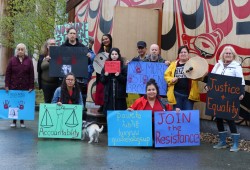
140,72
130,128
60,121
177,129
17,104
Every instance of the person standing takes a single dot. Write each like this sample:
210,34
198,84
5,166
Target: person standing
72,41
19,74
105,47
114,84
154,55
142,51
46,83
227,65
91,55
182,91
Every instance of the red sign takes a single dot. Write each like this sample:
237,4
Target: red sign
112,66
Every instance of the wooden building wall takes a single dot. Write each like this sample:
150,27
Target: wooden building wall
206,27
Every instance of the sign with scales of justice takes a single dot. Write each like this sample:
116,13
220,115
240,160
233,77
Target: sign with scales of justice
63,121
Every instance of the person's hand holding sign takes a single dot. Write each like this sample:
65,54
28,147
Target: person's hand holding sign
117,74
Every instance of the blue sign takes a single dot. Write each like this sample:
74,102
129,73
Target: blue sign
177,129
17,104
139,74
130,128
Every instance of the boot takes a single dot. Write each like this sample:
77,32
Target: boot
235,137
222,141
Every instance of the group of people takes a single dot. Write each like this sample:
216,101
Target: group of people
111,87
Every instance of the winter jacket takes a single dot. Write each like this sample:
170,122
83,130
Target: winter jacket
233,69
120,83
20,76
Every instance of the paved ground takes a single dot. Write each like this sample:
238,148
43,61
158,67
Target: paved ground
21,149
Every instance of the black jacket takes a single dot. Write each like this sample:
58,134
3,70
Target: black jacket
120,84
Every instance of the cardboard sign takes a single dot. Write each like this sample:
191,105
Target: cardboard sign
177,129
223,96
129,128
17,104
81,30
112,66
68,59
140,72
63,121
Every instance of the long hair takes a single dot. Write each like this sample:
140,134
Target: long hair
119,55
65,97
21,45
45,47
102,45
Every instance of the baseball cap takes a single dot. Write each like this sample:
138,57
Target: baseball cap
141,44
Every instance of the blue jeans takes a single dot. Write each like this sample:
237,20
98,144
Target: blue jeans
183,102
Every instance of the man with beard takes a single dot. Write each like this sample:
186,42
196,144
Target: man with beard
154,55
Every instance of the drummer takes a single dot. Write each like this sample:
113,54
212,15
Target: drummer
182,91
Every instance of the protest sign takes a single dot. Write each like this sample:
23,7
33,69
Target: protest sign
81,29
17,104
68,59
112,66
223,96
57,121
129,128
177,129
140,72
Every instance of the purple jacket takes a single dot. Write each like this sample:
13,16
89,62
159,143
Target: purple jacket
19,76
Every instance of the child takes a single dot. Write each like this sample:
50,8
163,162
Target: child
114,84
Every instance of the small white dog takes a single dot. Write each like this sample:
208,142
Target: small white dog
92,130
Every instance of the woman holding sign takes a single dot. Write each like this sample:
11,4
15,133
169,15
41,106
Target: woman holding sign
151,101
19,74
228,66
182,91
114,83
69,92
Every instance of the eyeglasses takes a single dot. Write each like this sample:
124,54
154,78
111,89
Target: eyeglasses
70,79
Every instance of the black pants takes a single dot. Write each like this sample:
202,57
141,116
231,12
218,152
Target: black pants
21,121
231,124
48,92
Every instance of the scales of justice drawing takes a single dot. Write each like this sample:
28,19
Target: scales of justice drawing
71,121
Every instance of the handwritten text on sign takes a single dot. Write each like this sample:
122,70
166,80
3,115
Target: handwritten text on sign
63,121
223,96
17,104
129,128
177,129
112,66
140,72
81,29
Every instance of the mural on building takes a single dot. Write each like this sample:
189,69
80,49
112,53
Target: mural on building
206,27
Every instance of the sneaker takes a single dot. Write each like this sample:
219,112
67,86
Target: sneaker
12,125
23,125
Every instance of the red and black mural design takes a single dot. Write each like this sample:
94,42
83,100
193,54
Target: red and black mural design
205,26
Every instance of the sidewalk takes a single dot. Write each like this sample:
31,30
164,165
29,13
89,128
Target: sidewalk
21,149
